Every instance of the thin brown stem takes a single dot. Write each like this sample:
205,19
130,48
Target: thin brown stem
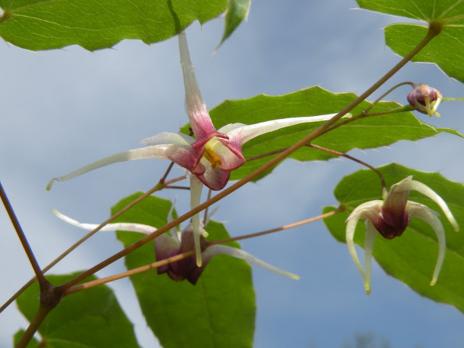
357,160
409,83
361,116
166,173
22,237
178,257
128,273
174,187
33,326
280,228
157,187
266,154
434,29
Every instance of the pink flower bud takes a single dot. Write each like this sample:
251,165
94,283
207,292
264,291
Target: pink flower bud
425,99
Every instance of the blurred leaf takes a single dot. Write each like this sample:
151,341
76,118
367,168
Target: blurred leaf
90,318
95,24
411,257
368,133
219,311
32,344
237,11
445,50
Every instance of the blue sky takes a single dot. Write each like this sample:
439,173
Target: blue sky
65,108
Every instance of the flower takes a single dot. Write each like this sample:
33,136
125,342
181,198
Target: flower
390,217
175,242
209,156
425,99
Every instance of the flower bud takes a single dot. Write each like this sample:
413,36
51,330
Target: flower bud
425,99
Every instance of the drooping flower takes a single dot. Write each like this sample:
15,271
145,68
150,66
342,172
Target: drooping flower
425,99
175,242
390,217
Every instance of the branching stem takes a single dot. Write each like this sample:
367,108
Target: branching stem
154,265
159,186
342,154
22,237
434,30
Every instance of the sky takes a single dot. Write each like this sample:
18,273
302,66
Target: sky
65,108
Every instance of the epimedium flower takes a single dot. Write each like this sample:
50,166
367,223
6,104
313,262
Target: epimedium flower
390,217
210,155
175,242
425,99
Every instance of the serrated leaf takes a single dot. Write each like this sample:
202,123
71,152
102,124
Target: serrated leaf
90,318
411,257
219,311
95,24
368,133
445,50
237,11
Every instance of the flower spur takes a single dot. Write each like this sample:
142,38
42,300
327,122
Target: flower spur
391,216
175,242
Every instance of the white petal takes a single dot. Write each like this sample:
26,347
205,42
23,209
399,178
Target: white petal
175,232
240,254
247,132
429,216
371,232
195,196
363,211
168,138
427,191
229,127
149,152
122,226
200,120
193,94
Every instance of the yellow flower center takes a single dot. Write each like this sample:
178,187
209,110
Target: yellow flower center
211,154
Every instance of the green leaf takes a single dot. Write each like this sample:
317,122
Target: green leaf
368,133
95,24
219,311
32,344
90,318
237,11
410,258
446,50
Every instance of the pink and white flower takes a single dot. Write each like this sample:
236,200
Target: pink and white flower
390,217
209,156
175,242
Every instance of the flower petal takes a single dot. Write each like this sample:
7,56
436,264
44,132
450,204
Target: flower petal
195,196
368,210
243,255
229,127
168,138
122,226
429,216
214,178
156,151
368,246
200,120
185,156
247,132
427,191
228,156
